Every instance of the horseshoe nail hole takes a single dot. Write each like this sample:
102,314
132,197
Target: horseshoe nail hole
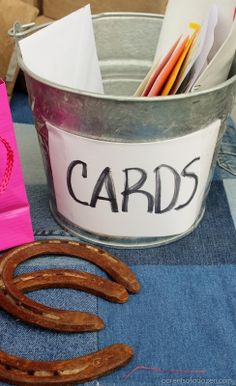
8,367
5,292
92,248
30,372
56,374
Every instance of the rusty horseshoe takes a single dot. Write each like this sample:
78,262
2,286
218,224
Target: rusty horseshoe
16,303
23,372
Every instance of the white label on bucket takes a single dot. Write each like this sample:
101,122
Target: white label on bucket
131,190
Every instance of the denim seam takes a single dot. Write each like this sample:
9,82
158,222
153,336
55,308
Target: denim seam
224,165
50,232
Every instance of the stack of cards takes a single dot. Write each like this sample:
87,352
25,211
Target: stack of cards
198,58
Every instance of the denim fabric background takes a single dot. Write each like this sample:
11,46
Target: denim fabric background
226,169
227,154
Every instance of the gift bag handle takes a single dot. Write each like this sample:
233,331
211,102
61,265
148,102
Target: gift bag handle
9,165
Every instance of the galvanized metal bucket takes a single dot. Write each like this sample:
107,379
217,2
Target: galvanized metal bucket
121,124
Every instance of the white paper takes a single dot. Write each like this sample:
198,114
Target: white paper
226,17
131,190
198,48
218,69
207,44
65,52
180,12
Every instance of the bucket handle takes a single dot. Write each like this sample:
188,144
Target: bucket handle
19,30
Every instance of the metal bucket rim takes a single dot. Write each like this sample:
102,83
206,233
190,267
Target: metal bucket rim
120,98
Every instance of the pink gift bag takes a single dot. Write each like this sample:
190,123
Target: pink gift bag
15,221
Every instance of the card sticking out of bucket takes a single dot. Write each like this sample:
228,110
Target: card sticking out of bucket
218,69
208,62
194,10
65,53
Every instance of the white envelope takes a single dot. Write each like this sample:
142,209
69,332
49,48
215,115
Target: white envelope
180,12
218,69
208,42
65,52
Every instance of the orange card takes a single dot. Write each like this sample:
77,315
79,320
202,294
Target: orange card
166,71
179,64
159,67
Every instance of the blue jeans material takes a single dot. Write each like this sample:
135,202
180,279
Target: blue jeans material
227,154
